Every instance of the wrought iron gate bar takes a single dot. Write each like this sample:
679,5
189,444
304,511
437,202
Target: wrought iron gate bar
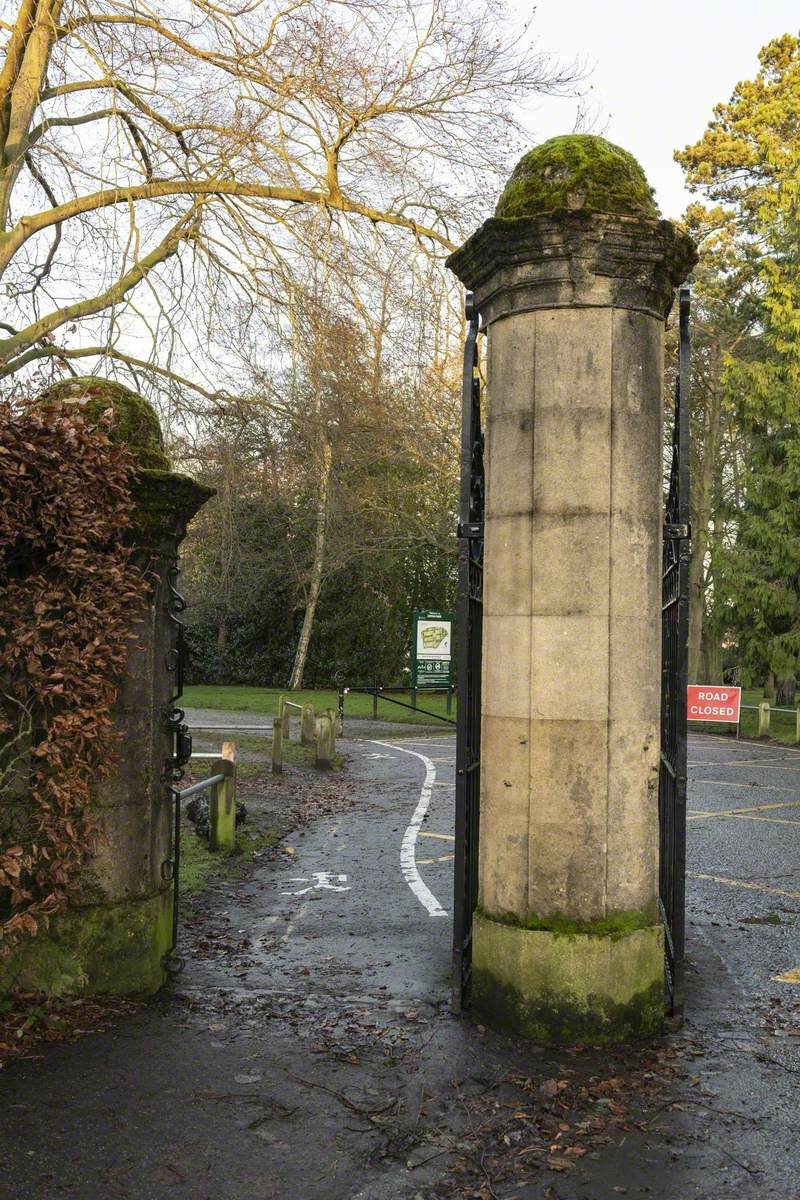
674,642
469,634
181,747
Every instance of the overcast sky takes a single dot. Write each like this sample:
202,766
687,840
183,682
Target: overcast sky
656,70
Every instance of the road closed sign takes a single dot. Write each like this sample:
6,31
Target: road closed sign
709,703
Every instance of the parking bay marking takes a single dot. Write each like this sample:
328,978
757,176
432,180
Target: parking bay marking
764,787
743,883
772,764
764,820
700,815
792,976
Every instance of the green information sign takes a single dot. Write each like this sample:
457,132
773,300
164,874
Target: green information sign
431,650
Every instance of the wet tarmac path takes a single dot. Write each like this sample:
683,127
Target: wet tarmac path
363,896
307,1053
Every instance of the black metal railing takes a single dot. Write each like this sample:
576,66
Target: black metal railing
380,692
469,623
181,745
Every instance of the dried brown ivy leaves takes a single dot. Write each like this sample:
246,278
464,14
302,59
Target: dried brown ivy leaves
68,586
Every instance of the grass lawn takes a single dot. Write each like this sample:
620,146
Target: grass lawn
782,725
265,701
199,865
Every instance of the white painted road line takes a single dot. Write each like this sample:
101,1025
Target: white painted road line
743,883
408,848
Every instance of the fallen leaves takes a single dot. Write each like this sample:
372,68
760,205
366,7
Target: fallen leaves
524,1123
29,1019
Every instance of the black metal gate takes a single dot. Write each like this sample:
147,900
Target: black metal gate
674,642
469,632
180,749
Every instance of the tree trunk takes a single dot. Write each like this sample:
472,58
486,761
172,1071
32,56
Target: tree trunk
712,658
769,687
697,601
317,567
222,642
704,472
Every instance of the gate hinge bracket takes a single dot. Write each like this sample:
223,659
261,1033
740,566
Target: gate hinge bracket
677,533
473,529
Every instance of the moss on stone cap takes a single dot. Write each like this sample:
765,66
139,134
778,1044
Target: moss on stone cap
164,503
577,171
135,423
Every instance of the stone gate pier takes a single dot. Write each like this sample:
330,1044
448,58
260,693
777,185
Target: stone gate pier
117,930
573,279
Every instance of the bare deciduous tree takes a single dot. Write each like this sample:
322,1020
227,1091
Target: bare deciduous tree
161,163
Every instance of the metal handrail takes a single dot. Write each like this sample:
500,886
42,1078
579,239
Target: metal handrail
772,708
194,788
231,728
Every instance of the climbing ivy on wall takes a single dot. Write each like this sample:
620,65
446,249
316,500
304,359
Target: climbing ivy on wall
68,585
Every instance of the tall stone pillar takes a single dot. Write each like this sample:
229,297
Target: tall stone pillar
573,279
117,930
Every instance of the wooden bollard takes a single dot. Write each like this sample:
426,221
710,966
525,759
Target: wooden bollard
333,717
284,714
763,719
308,725
277,746
325,742
222,806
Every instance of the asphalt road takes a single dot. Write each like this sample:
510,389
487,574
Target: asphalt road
307,1051
743,864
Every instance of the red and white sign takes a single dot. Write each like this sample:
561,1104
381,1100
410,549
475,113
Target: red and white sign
706,702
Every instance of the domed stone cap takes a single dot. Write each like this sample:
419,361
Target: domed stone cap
135,423
577,171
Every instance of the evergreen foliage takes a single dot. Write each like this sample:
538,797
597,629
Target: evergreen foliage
747,165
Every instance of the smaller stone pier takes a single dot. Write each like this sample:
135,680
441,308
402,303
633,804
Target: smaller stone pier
115,934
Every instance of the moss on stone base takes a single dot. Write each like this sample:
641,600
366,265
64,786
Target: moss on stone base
554,1017
114,949
614,926
555,987
577,171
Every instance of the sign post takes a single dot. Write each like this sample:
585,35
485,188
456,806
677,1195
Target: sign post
431,653
708,702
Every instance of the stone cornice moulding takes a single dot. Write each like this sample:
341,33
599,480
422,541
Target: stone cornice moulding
573,259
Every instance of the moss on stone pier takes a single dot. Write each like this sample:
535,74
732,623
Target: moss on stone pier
599,982
163,503
613,926
564,1017
105,948
577,171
